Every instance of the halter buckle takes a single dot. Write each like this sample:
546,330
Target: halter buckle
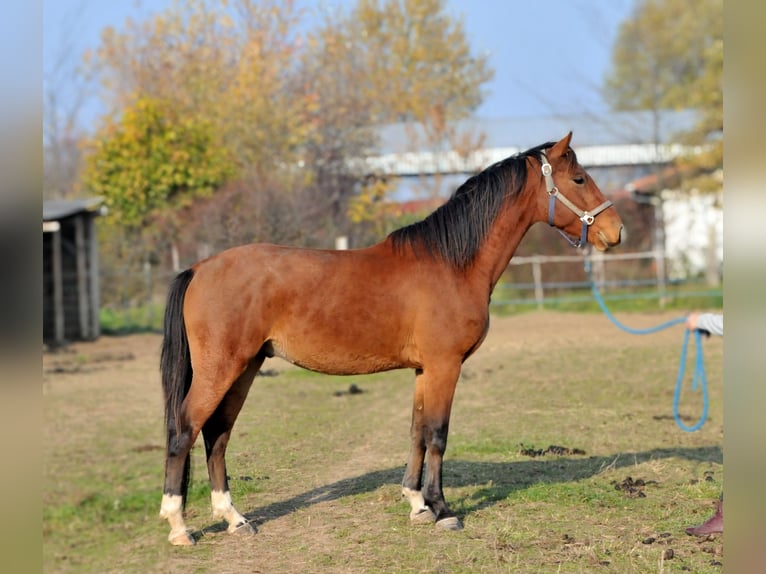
547,169
587,218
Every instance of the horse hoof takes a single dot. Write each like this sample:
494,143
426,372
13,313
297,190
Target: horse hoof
183,539
243,529
423,516
450,523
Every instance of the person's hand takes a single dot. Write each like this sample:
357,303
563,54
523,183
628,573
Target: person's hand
692,321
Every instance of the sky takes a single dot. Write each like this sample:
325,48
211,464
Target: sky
549,57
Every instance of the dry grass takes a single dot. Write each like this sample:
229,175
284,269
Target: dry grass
319,473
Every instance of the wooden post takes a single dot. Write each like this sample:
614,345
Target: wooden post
711,257
82,277
659,258
537,275
95,284
659,248
341,242
599,270
149,290
58,287
176,260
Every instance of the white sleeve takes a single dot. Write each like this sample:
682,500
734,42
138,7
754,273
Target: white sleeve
711,322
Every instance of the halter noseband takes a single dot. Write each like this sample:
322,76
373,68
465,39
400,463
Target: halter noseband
587,217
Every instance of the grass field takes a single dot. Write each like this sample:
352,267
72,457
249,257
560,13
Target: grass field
318,469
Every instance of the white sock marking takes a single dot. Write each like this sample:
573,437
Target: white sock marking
415,497
172,509
223,508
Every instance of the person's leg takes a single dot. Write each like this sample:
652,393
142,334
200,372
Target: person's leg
713,525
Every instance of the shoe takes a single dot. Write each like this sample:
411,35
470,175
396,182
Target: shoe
713,525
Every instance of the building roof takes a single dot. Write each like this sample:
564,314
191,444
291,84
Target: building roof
653,182
609,139
57,209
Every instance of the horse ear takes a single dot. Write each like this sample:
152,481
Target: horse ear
561,146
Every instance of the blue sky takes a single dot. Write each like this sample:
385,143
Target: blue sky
549,56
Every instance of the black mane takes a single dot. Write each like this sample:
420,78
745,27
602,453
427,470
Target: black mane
456,230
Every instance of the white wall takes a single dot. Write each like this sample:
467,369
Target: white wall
693,233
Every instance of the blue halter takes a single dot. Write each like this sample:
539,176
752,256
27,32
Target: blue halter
587,217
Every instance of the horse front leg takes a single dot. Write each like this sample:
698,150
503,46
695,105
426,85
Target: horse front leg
413,476
434,391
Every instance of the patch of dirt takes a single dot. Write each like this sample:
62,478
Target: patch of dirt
686,418
552,449
709,476
633,488
352,390
99,355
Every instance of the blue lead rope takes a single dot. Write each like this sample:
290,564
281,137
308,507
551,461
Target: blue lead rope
698,378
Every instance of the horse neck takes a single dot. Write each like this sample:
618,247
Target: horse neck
511,224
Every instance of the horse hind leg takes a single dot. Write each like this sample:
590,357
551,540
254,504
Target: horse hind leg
177,473
208,388
216,433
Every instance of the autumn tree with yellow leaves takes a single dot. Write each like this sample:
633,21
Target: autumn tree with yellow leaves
280,113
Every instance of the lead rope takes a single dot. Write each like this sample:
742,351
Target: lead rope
698,378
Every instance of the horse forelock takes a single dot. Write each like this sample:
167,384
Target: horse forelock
457,229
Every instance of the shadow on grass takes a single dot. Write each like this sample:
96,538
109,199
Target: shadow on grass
506,477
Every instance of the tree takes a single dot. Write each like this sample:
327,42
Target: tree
293,108
670,56
152,161
148,163
384,62
228,63
416,59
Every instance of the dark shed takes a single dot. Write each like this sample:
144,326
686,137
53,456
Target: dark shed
71,296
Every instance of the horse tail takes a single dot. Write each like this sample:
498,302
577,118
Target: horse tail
175,364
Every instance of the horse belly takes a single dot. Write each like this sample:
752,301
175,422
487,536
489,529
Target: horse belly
345,355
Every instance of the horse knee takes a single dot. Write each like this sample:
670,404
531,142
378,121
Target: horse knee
179,443
437,439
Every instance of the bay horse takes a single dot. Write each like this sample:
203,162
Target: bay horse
417,300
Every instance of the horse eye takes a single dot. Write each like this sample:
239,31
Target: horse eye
579,180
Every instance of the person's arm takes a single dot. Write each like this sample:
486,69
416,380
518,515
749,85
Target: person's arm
710,322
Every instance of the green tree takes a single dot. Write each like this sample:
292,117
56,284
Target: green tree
148,163
152,161
669,55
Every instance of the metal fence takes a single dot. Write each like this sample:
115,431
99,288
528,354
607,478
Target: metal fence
615,275
539,281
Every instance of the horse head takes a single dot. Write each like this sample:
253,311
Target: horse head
584,212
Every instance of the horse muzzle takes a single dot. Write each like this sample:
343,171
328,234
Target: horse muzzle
605,239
